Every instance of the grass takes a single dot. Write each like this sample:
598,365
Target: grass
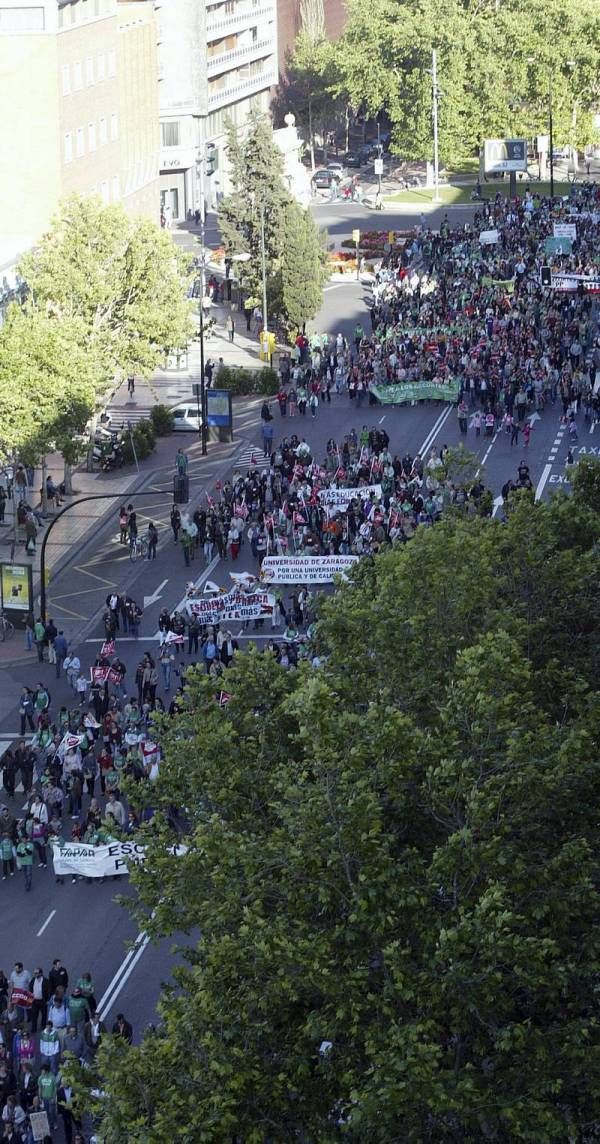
450,195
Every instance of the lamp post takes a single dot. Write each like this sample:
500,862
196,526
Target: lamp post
202,413
436,155
263,259
551,133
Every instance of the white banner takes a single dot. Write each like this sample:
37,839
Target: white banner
305,569
488,237
233,605
340,498
565,230
571,282
100,861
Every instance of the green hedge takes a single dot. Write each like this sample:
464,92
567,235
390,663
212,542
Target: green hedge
240,380
144,439
162,420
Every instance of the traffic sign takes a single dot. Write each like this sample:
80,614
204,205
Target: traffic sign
356,236
378,166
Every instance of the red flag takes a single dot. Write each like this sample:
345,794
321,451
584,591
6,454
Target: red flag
107,649
224,697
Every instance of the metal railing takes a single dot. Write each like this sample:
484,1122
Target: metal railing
230,91
215,64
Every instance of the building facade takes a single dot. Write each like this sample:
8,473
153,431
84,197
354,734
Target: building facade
217,62
79,87
289,23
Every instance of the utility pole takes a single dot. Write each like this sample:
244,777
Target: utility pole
551,133
263,257
201,171
436,157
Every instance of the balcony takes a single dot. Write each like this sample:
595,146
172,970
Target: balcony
229,21
227,59
234,90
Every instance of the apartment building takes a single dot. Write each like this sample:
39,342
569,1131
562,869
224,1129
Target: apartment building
289,24
217,61
79,88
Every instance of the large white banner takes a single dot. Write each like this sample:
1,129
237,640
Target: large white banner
305,569
565,230
100,861
233,605
340,498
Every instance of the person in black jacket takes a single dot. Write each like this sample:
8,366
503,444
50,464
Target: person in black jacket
123,1029
40,987
57,976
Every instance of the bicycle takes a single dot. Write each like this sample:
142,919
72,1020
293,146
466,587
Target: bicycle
138,547
7,629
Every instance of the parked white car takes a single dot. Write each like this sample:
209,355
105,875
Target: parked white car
185,417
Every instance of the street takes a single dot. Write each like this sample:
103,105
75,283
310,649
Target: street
82,923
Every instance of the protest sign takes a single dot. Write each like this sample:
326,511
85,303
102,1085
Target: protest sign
565,230
107,649
114,676
341,498
40,1128
234,605
417,391
305,569
560,244
488,237
99,674
22,997
100,861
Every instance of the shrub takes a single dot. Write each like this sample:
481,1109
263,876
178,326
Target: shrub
143,440
244,381
162,420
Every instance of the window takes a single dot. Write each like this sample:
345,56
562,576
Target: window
101,68
170,133
68,147
114,126
104,191
102,131
66,80
116,189
112,64
77,77
79,143
91,136
89,71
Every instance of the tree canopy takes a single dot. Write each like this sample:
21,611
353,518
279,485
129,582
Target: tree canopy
261,203
389,890
496,61
123,279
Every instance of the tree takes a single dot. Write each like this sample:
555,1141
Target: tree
391,863
260,205
123,279
303,267
495,62
49,384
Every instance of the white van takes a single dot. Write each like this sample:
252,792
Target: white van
185,417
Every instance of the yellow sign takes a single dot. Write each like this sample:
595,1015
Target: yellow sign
391,237
356,236
16,583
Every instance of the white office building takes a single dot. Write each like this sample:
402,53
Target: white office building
217,61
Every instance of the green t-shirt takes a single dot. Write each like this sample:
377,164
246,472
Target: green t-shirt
25,853
47,1086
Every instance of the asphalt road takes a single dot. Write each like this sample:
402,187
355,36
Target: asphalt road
81,923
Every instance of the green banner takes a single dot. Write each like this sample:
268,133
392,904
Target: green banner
417,391
504,283
560,245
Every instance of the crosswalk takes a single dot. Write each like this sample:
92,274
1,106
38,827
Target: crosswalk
121,415
251,455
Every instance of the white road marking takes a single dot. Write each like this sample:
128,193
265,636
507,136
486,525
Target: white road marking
46,923
437,426
122,975
543,482
382,419
490,447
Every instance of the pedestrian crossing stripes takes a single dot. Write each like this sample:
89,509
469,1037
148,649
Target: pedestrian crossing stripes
121,415
252,454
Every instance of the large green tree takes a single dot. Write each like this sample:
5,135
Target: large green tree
496,62
122,278
260,208
389,890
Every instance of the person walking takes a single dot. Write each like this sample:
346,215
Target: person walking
61,648
175,522
25,859
231,328
131,385
26,709
152,541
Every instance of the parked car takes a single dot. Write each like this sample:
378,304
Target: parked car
338,169
322,178
354,160
185,417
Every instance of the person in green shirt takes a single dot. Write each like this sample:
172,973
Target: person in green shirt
47,1087
25,857
39,635
6,854
78,1007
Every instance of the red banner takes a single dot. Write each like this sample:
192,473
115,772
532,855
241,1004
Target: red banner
22,997
99,674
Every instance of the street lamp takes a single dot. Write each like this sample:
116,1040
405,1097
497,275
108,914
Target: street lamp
569,64
200,165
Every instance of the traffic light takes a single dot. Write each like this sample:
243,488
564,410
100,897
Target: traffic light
212,156
545,276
